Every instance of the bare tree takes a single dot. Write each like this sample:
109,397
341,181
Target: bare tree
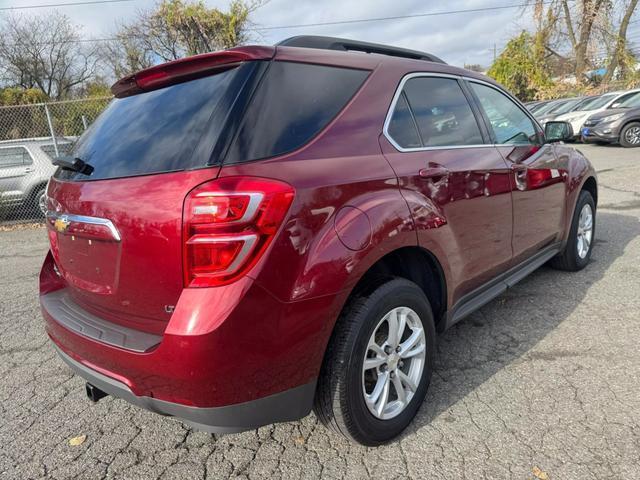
618,55
572,24
44,52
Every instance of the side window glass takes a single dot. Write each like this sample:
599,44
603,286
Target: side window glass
442,112
14,157
402,128
509,123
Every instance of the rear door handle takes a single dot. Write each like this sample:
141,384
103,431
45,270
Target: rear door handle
434,173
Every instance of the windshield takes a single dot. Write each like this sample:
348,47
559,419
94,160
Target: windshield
596,103
152,132
630,102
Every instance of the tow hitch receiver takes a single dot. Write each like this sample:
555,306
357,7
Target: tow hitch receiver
94,393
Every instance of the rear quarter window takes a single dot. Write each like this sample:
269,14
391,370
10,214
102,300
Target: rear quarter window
292,104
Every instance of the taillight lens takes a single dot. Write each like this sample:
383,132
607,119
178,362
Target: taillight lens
228,224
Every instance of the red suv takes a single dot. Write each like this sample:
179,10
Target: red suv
244,235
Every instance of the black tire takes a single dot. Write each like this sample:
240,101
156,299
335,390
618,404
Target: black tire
626,139
569,260
36,199
339,401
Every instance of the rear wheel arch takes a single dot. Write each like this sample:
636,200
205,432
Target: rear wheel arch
413,263
591,186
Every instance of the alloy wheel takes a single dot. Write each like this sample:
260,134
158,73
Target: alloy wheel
633,136
585,230
394,363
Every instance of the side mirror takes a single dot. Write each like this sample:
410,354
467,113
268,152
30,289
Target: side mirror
558,131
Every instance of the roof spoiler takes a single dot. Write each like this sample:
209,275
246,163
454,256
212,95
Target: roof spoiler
346,45
187,68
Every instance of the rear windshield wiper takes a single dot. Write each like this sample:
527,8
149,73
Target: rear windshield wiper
73,164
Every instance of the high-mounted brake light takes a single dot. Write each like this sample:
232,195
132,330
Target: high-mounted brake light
186,69
228,224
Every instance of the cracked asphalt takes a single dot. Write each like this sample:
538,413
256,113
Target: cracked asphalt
543,382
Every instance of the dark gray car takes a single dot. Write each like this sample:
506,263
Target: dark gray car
615,125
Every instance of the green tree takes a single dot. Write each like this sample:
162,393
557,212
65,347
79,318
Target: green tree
21,96
521,67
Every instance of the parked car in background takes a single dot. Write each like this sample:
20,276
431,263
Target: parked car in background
560,107
25,169
604,102
615,125
310,214
538,105
546,107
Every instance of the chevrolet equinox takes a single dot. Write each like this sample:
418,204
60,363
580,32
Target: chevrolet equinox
245,235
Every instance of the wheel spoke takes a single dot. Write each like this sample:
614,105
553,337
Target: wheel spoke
377,349
380,395
416,351
410,342
399,388
371,363
407,381
394,324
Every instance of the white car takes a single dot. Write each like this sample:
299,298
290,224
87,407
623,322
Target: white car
609,100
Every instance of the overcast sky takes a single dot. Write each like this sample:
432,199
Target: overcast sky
457,38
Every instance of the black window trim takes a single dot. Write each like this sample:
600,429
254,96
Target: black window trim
400,91
539,130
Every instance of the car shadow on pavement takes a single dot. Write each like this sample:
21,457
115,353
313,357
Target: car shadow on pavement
505,330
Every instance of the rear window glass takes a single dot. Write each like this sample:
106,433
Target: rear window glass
151,132
292,104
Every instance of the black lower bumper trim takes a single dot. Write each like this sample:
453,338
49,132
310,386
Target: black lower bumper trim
285,406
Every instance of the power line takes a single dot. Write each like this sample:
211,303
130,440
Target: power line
302,25
398,17
88,2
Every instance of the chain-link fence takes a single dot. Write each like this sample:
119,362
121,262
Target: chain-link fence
30,137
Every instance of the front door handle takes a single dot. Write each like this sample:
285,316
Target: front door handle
434,173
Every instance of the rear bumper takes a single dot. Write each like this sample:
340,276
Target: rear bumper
282,407
226,352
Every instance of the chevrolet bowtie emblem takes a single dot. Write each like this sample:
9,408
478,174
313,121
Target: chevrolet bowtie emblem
61,224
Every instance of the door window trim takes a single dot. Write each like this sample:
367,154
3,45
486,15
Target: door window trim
516,102
399,91
476,108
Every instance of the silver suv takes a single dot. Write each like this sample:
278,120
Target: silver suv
25,168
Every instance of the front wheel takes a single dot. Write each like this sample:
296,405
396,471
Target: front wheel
630,135
378,364
579,246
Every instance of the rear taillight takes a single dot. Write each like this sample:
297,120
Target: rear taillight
228,224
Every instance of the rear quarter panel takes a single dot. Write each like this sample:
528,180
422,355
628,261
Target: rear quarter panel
578,169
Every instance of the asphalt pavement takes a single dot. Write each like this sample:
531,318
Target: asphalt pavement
542,383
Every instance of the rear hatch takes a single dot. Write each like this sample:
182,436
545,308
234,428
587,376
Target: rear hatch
115,227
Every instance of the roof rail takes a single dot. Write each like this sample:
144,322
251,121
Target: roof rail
333,43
